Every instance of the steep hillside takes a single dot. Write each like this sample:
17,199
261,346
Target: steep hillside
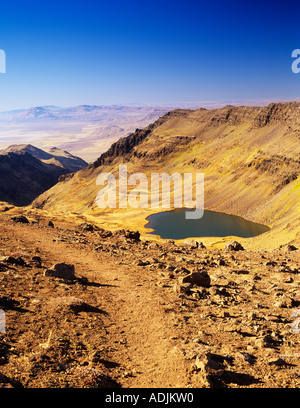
27,171
53,155
250,157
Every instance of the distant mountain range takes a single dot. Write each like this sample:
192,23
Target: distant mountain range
84,113
84,130
26,171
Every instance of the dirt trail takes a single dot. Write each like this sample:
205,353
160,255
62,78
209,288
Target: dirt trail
139,326
136,319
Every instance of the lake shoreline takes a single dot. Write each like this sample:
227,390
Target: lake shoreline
172,224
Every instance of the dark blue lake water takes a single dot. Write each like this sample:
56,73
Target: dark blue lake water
174,225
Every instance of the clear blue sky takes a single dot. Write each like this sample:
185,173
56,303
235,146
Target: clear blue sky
147,52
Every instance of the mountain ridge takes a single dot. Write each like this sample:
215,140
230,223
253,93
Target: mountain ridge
228,114
27,171
52,155
249,156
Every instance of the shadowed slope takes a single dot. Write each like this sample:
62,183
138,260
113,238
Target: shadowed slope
27,172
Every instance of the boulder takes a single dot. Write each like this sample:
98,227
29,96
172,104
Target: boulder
13,260
86,227
132,235
20,218
201,245
268,341
233,246
196,278
191,244
208,365
289,248
209,369
277,361
104,233
61,270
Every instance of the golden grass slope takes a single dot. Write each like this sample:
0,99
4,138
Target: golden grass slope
250,157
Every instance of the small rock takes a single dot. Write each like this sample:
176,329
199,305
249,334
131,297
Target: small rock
272,318
191,243
208,367
267,341
182,287
289,248
260,342
252,316
3,267
132,235
270,263
50,224
61,270
233,246
168,274
197,278
20,218
12,260
277,361
37,261
96,357
104,233
284,302
153,245
201,245
86,227
239,271
247,357
140,262
36,301
69,302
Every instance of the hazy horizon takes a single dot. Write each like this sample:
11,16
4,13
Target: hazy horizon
204,104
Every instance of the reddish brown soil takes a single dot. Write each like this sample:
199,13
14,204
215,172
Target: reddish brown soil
130,327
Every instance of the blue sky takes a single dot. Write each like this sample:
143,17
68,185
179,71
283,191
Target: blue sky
158,52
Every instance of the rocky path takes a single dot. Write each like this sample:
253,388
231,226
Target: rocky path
138,329
139,314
